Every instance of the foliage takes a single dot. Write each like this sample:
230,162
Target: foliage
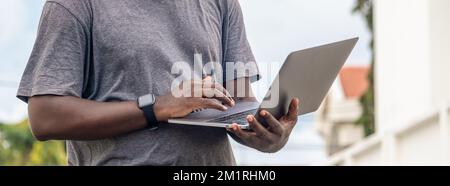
367,119
18,147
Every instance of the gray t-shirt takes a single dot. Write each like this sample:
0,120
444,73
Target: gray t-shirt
118,50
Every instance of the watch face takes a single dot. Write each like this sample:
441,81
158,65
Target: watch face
146,100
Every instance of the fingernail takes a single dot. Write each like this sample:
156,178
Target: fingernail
263,113
250,118
225,108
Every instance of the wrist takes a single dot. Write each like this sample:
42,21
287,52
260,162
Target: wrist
160,112
147,105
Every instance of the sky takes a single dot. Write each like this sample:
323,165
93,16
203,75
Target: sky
18,25
274,28
278,27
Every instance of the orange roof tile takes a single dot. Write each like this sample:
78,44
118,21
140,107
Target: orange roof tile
354,81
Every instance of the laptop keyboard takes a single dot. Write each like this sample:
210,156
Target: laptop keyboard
239,118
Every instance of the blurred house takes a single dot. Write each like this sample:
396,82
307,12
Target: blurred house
335,120
412,44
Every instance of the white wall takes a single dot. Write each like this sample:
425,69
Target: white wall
413,58
412,87
440,50
425,141
420,146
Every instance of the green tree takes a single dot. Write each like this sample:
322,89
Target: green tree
18,147
367,119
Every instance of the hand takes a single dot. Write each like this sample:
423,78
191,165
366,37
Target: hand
273,138
191,96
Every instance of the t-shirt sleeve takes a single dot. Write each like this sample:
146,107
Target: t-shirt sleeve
56,64
236,46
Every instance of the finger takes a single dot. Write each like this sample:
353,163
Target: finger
216,91
274,124
207,83
258,128
208,78
244,135
222,89
203,103
220,95
216,94
195,89
201,90
293,109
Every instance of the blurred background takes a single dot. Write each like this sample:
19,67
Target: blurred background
389,105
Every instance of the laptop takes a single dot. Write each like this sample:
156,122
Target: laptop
306,74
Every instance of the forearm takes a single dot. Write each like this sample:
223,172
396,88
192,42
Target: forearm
70,118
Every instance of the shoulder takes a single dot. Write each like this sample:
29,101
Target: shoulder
227,5
231,7
80,9
231,4
73,4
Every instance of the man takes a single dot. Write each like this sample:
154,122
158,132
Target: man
94,58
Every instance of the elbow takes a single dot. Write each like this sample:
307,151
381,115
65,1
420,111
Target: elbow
43,120
41,137
41,130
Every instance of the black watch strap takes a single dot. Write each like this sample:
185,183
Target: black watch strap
146,104
152,122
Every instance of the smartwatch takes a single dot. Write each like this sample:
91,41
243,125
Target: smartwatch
146,104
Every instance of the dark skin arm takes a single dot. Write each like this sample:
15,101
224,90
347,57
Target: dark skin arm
71,118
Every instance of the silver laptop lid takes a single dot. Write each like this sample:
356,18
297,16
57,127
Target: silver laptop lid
307,74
